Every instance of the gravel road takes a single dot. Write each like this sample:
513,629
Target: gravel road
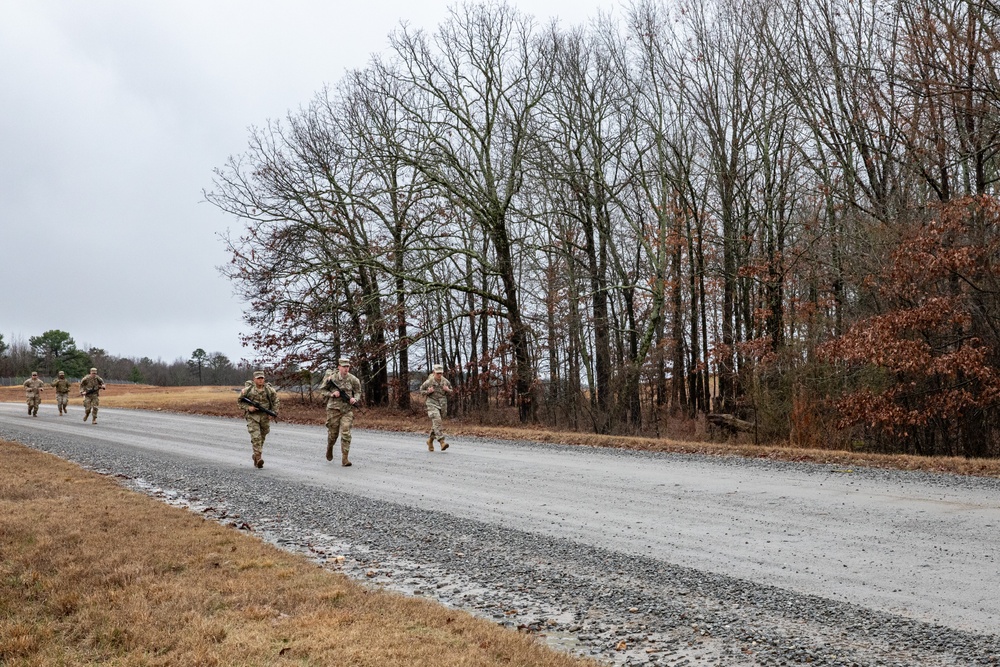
631,558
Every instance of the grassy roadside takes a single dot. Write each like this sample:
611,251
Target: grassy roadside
222,401
91,573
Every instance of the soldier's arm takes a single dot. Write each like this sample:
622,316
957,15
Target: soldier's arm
244,407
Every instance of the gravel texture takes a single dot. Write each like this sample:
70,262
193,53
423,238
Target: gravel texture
618,608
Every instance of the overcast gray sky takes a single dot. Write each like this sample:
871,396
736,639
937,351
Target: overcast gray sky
115,112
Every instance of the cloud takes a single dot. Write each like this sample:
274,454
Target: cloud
115,115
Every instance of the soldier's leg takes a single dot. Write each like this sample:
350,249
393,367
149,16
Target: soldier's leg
332,429
265,428
346,420
87,400
435,416
255,441
29,406
93,406
437,423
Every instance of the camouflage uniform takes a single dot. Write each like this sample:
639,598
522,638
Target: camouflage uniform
33,392
61,385
436,389
339,411
91,386
258,422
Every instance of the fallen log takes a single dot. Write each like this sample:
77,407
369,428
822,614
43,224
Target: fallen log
731,423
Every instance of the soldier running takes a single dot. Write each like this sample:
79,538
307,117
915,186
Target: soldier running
343,392
90,388
61,385
436,388
258,421
33,392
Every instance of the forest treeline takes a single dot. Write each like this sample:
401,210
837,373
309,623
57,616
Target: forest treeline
55,350
782,210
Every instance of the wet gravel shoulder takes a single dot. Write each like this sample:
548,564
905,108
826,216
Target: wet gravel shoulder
617,608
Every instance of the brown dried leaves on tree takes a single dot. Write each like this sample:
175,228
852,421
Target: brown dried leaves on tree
929,362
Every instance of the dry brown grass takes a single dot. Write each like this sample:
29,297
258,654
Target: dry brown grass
222,401
93,574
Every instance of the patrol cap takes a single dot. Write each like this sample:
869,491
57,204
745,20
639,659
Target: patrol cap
343,361
93,370
34,373
438,368
258,373
61,373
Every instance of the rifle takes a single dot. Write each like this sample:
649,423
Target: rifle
250,401
329,386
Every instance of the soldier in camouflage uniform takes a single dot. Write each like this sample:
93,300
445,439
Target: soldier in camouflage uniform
258,421
61,385
343,392
436,388
90,388
33,392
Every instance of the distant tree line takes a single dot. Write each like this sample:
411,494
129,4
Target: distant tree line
782,210
55,350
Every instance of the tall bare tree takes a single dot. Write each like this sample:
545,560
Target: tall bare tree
479,81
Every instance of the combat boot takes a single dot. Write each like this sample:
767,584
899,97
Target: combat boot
430,443
343,460
444,445
86,416
256,460
329,451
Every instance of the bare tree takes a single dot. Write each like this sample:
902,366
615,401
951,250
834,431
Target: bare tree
479,82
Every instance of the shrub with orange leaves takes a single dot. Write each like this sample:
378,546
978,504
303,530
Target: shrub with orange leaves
924,376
